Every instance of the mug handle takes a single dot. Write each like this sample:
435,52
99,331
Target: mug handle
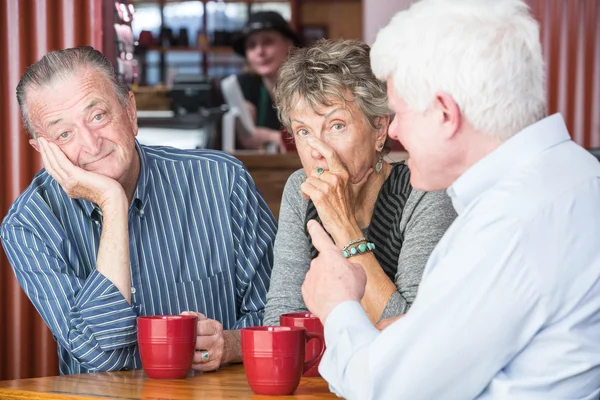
314,336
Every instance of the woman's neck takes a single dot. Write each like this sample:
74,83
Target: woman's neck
366,196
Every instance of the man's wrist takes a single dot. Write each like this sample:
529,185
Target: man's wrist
232,347
115,202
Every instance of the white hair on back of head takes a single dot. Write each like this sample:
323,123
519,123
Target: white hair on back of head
486,54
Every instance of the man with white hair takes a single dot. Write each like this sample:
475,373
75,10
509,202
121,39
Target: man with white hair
508,306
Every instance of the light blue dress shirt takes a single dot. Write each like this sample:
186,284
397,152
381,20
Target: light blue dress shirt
509,304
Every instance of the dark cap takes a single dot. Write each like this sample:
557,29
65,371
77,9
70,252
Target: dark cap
263,21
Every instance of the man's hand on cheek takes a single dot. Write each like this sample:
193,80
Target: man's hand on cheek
76,182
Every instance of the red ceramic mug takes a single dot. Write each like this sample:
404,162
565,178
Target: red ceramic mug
167,344
313,325
274,357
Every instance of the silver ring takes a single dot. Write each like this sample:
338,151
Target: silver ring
320,172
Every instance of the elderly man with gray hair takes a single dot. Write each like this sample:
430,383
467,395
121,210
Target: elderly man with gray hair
111,230
508,306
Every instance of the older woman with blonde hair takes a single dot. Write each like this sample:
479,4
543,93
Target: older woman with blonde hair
336,110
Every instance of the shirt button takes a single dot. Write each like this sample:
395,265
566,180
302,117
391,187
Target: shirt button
141,212
133,290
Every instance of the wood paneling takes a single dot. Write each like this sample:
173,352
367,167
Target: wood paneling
270,173
570,34
28,30
343,19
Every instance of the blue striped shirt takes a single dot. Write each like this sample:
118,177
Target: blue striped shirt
200,239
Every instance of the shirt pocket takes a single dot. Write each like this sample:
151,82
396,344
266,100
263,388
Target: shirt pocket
199,266
212,296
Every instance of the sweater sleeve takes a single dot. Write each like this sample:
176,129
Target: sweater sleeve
291,254
426,216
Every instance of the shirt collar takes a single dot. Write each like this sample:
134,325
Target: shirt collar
488,171
141,191
139,196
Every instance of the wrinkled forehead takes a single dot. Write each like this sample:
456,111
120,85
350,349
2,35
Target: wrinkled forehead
67,97
68,84
324,103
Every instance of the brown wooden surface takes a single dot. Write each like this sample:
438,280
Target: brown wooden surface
342,18
270,173
228,383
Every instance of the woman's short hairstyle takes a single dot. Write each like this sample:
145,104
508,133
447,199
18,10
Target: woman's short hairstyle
327,71
485,53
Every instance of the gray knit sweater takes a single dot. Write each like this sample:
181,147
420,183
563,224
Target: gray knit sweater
425,218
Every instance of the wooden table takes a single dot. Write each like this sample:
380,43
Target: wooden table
227,383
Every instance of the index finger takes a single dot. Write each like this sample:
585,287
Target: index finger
53,157
59,156
333,161
49,160
201,317
320,238
43,150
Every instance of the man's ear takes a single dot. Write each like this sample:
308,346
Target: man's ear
132,112
449,112
34,144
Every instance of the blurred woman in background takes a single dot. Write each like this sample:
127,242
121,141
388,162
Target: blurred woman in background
265,42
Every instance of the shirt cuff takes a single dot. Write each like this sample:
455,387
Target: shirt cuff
346,316
347,331
111,319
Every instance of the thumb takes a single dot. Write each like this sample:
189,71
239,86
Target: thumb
320,238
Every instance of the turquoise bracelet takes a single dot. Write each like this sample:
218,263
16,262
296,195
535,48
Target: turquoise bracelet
359,249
